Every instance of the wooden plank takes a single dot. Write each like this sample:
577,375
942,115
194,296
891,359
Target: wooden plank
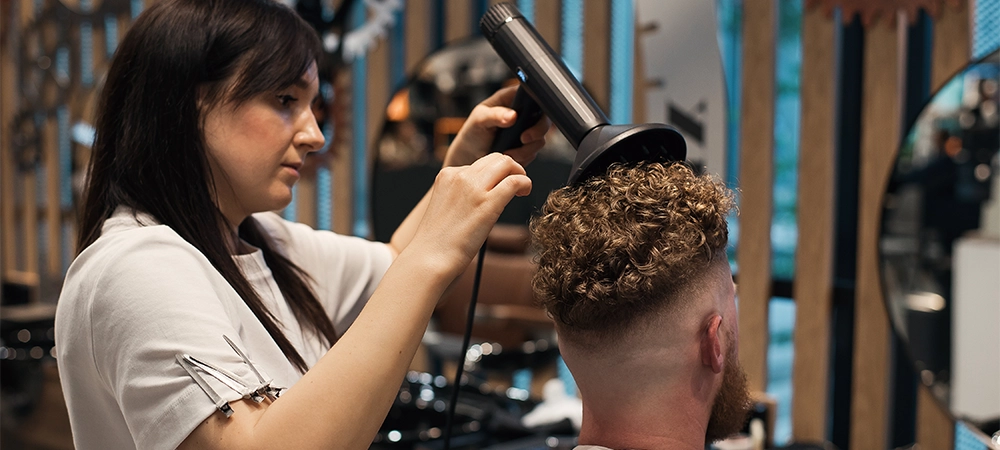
952,43
639,81
597,51
305,200
457,20
340,163
8,107
29,186
935,427
880,117
418,36
548,22
53,224
756,183
29,222
813,290
379,88
343,213
950,52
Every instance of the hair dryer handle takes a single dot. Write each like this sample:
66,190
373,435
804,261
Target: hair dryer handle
528,114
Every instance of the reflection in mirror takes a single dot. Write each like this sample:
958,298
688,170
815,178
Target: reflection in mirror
423,117
940,244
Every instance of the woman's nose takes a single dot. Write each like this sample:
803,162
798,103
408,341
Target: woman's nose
309,134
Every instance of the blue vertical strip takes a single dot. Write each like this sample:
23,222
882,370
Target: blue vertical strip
324,187
527,8
65,157
137,6
985,28
397,50
562,371
478,10
787,112
521,379
110,34
437,30
729,16
359,98
290,213
622,60
86,47
966,439
62,63
86,54
324,207
572,36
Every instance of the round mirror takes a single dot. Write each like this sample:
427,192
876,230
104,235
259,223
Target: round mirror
940,244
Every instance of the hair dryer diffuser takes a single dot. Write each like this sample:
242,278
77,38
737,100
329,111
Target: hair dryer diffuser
553,88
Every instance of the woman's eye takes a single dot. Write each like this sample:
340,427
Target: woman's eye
286,99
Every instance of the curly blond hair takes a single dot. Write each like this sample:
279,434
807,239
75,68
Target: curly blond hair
622,245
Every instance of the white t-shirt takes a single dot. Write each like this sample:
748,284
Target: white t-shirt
140,295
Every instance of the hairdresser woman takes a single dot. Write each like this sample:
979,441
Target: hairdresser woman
203,125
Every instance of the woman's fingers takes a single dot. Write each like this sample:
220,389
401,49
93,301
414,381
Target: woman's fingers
492,116
537,131
525,153
514,185
502,97
491,169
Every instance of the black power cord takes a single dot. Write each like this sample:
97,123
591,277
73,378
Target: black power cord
465,348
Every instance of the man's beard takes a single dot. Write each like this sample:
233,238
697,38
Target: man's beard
732,404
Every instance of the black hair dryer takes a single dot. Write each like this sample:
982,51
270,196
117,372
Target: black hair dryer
551,88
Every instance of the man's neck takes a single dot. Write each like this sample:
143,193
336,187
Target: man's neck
677,424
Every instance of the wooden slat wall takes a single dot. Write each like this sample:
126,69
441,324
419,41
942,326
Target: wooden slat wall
457,20
596,51
952,44
38,230
950,52
341,169
548,21
756,180
880,117
417,22
813,290
638,76
378,87
8,105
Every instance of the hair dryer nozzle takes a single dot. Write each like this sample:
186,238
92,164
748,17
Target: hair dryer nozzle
610,144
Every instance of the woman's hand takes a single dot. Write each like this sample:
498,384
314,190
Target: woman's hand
472,142
474,139
462,207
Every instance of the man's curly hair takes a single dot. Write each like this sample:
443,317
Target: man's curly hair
623,244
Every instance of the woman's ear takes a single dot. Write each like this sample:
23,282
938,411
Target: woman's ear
711,345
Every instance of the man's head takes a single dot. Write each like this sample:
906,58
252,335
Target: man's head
633,269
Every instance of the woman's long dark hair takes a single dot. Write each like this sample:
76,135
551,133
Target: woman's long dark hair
179,57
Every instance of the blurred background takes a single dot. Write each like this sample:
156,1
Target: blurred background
862,136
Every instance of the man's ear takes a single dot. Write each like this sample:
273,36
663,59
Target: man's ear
711,345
